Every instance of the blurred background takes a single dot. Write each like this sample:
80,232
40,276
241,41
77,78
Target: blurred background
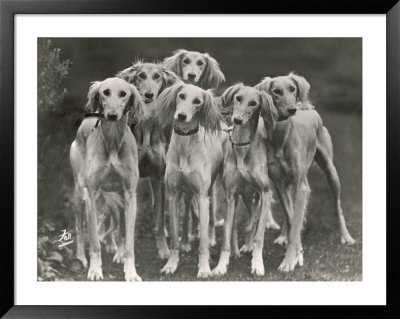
333,67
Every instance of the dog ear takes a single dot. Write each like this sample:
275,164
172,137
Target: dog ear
210,116
173,62
93,104
264,85
212,75
136,107
169,79
228,95
129,74
303,89
166,104
268,112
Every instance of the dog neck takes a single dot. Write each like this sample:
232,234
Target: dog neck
185,129
242,138
113,134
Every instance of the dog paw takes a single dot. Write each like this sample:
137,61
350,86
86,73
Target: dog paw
236,253
186,247
130,271
281,240
272,225
347,240
163,250
95,272
290,262
220,270
257,267
212,242
118,257
83,260
111,248
172,263
204,272
246,248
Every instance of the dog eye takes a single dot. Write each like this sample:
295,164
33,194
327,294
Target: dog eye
106,92
156,76
196,101
252,103
182,96
122,93
142,75
239,98
292,88
186,61
200,63
278,91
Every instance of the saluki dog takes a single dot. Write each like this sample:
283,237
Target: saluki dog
195,68
245,169
194,158
151,79
202,70
101,149
291,93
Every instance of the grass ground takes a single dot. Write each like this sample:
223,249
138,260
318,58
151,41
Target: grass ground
325,259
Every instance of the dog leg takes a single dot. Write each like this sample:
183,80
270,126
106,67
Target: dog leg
285,198
185,242
79,210
250,229
221,269
204,255
173,259
95,272
257,265
294,251
159,199
323,157
130,218
213,216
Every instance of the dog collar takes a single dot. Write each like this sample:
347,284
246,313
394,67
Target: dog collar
182,133
229,131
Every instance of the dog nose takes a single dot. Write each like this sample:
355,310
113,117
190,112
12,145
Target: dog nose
182,116
237,121
148,95
292,111
112,117
191,76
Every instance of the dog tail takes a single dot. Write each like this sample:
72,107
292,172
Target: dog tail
110,203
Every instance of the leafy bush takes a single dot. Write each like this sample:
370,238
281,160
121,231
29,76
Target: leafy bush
52,71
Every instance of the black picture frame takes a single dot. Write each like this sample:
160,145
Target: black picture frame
8,10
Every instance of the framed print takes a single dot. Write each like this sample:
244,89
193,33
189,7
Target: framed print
158,155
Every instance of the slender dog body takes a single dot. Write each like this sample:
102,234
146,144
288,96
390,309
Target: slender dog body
194,158
290,93
246,172
152,140
109,148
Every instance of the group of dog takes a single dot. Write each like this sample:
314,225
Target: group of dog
163,122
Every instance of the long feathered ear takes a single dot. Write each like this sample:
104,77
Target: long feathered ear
264,85
210,116
93,104
173,62
169,79
136,107
129,74
303,89
227,96
268,112
212,75
166,104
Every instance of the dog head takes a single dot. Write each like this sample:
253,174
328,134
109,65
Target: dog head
187,106
289,92
114,98
149,78
195,68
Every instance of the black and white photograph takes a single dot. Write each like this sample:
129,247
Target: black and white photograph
199,159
